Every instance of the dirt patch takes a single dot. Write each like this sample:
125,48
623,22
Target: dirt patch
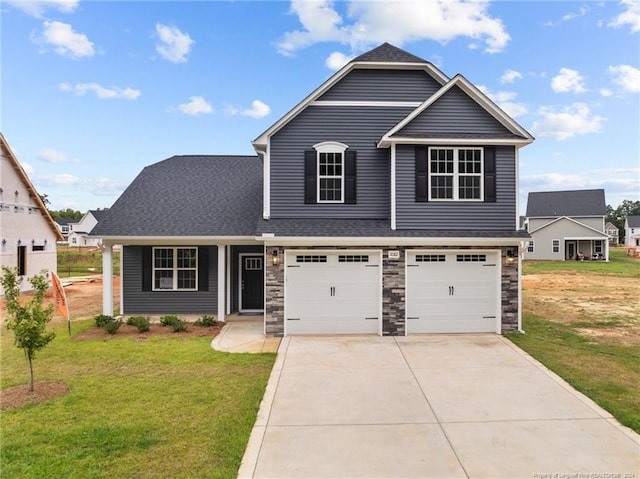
42,391
155,331
603,308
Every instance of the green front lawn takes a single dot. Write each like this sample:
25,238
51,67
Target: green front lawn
620,264
154,408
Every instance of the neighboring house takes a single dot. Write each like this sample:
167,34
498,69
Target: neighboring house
567,225
612,232
385,202
632,230
28,233
65,226
79,232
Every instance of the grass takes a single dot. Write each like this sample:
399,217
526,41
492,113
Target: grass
76,261
620,264
156,408
604,369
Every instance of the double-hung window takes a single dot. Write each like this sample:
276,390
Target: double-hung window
175,269
330,171
455,174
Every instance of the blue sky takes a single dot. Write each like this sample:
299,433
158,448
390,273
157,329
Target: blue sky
92,92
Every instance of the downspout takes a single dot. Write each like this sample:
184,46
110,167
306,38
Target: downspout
393,186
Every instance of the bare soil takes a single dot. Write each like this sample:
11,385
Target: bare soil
603,308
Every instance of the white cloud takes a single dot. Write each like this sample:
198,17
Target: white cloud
49,155
66,41
36,8
570,121
197,105
605,92
568,80
618,179
393,21
509,76
631,16
258,110
504,99
627,77
101,92
173,45
337,60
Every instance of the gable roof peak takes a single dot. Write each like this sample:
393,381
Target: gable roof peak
388,53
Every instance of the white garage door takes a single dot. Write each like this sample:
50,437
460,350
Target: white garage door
332,292
452,292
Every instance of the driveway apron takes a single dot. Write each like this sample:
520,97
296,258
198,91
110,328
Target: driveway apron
437,406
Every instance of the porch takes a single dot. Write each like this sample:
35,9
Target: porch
586,249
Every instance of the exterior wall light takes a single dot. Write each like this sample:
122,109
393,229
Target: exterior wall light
275,258
511,255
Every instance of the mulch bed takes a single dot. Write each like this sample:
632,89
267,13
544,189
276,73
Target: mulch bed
42,391
155,331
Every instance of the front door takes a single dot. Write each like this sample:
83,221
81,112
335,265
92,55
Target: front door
251,282
571,250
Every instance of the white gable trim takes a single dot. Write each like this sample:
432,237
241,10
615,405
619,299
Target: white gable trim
261,141
600,233
476,95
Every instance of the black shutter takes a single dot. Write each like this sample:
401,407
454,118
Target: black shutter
310,177
422,175
350,177
147,268
490,174
203,268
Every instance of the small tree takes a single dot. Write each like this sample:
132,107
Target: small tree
27,322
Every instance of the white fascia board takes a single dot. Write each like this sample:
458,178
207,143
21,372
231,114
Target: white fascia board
387,142
179,240
388,240
261,141
398,104
476,95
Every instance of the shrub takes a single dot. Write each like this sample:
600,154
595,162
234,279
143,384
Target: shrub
174,321
112,326
206,321
140,322
103,319
169,320
179,326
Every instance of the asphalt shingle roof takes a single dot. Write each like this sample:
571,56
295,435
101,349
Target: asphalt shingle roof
566,203
189,196
388,53
633,221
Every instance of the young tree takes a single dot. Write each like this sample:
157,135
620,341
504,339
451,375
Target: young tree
27,322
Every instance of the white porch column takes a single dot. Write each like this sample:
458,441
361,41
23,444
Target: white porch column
606,249
107,279
222,277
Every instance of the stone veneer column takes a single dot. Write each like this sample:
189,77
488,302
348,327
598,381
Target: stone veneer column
509,293
274,292
393,293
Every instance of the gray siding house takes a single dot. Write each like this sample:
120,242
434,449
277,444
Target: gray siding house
385,202
567,225
632,230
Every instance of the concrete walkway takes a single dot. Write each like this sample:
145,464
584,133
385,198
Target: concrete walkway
245,336
441,406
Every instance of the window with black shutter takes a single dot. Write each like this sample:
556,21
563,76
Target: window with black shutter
330,174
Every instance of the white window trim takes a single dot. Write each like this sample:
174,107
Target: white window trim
175,268
531,248
553,246
330,147
456,175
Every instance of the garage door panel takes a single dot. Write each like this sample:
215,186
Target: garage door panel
333,292
451,292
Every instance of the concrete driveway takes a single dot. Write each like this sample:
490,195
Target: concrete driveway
441,406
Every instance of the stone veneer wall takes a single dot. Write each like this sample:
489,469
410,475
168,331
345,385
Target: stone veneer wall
393,289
